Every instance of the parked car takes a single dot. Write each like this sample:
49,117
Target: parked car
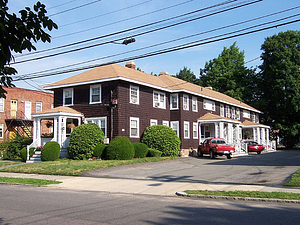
214,147
253,146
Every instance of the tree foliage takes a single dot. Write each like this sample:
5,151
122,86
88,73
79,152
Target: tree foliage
280,84
187,75
18,34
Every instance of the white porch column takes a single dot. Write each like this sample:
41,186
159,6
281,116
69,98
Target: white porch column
267,138
64,131
254,134
217,130
55,129
34,129
263,136
258,136
38,132
59,131
199,128
230,133
221,124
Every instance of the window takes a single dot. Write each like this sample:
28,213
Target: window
1,104
153,122
134,95
194,104
246,114
175,127
253,118
195,130
227,111
174,101
101,122
1,130
134,127
38,107
68,96
257,118
95,94
165,123
209,105
185,102
159,100
238,114
222,110
186,130
233,113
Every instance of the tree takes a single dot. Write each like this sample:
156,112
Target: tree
225,73
280,80
18,34
187,75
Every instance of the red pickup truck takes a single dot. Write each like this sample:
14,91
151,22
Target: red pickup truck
214,147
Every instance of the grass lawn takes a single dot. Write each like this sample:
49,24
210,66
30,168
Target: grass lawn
9,162
74,167
38,182
246,194
295,180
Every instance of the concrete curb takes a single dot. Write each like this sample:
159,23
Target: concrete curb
183,194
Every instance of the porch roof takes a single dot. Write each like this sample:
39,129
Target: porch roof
250,124
58,111
211,118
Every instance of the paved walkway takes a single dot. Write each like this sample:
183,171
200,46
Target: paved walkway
150,187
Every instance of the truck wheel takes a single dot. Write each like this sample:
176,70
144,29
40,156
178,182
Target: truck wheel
258,153
200,154
211,154
228,156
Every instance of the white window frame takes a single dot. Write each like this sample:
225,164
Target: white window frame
174,96
165,123
137,120
37,106
2,101
153,122
246,114
98,121
185,103
91,93
64,96
227,111
160,102
233,115
195,130
209,105
194,104
134,99
238,114
1,130
222,110
186,129
172,123
253,118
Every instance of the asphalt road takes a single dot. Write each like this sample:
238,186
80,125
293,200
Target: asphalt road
38,205
273,168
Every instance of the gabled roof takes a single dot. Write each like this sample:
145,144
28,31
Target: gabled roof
163,82
56,111
248,123
209,117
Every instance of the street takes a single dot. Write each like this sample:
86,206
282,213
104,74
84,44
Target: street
39,205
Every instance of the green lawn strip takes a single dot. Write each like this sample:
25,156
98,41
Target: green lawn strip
295,180
9,163
67,167
38,182
248,194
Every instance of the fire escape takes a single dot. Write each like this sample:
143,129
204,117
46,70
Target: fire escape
18,124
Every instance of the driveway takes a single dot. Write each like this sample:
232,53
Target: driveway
273,168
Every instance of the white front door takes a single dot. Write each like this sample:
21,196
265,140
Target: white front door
28,110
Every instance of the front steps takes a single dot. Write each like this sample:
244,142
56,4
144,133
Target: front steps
35,158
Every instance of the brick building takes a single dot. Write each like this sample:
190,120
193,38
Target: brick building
17,108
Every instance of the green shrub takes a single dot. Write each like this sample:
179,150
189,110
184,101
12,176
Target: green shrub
99,150
23,153
11,149
153,153
83,141
162,138
119,148
50,151
140,150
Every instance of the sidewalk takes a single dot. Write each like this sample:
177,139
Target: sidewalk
150,187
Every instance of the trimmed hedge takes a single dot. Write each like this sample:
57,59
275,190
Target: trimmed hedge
99,150
119,148
50,151
162,138
83,141
140,150
23,153
153,153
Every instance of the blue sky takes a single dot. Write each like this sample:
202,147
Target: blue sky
100,18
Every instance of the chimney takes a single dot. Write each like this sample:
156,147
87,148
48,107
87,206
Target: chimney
163,73
210,88
130,64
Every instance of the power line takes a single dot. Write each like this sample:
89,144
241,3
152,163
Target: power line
62,4
107,42
158,52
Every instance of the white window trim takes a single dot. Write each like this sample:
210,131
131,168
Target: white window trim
171,125
186,123
100,96
153,121
2,103
213,105
97,120
165,123
171,105
227,111
222,110
1,128
195,130
64,91
238,114
133,100
138,127
195,102
159,104
185,105
246,114
36,106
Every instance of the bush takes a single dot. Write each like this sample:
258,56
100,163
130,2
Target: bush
11,149
119,148
83,141
162,138
153,153
140,150
50,151
99,150
23,153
